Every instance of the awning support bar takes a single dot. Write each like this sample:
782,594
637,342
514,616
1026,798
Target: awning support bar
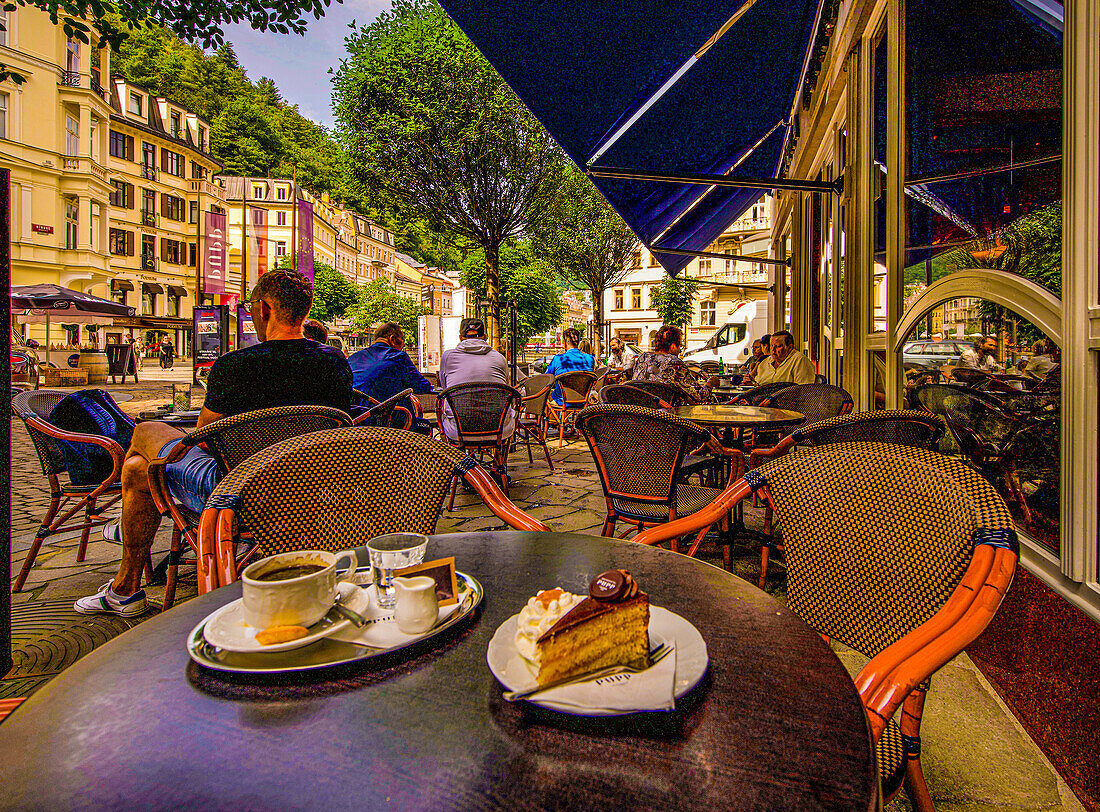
680,252
626,173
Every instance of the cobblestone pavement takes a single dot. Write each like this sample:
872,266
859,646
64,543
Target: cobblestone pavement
976,755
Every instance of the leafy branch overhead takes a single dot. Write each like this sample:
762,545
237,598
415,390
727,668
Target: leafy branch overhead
198,21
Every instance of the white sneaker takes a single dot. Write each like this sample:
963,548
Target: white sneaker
112,531
106,602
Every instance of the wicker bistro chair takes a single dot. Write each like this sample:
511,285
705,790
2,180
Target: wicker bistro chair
531,419
901,553
669,395
638,452
230,441
757,395
33,408
575,387
480,412
372,412
336,489
622,394
978,422
895,426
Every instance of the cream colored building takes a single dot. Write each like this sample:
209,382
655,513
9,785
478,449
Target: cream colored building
81,177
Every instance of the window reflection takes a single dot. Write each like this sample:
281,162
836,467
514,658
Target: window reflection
996,379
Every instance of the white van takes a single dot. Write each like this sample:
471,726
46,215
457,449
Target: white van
732,342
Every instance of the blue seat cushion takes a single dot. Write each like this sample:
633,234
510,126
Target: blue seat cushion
90,411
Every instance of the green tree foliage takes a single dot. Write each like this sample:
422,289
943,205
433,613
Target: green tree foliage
199,21
253,131
379,302
333,294
525,280
582,237
432,127
674,299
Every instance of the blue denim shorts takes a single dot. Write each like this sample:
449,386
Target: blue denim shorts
191,479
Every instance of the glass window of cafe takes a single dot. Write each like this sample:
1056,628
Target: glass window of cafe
983,106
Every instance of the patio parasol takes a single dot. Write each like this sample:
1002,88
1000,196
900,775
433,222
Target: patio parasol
70,306
681,113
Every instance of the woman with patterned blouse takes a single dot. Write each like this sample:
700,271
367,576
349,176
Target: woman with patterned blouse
664,365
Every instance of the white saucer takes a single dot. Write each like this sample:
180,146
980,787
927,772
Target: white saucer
227,630
512,671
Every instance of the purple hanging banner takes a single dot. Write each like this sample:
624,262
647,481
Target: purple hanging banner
305,239
213,253
256,225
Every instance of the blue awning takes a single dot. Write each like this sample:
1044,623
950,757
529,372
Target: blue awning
586,68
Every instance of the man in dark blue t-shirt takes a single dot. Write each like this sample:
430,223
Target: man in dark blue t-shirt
284,369
384,368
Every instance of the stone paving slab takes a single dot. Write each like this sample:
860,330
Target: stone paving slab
976,755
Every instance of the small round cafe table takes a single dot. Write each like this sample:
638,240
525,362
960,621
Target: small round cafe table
739,417
775,723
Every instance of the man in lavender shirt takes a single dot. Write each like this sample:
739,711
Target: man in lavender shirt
472,361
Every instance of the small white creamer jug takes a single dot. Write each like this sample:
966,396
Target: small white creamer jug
417,606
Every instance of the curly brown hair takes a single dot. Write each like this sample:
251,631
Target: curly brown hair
667,336
572,336
288,293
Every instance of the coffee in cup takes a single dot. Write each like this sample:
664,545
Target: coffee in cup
292,589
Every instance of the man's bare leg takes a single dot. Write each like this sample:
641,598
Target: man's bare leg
140,517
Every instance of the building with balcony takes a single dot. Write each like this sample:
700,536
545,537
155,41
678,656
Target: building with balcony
53,139
161,174
107,182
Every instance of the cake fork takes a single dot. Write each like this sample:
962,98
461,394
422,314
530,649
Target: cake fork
655,657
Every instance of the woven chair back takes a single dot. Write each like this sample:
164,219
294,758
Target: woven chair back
666,392
974,378
757,395
575,387
638,450
877,536
40,403
480,409
232,440
381,413
335,489
709,367
817,401
894,426
537,388
626,395
978,422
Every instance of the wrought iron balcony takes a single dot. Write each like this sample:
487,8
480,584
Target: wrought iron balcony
70,78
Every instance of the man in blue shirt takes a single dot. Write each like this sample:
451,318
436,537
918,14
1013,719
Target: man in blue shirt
572,360
384,368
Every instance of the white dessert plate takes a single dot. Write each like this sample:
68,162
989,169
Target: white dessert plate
512,671
227,630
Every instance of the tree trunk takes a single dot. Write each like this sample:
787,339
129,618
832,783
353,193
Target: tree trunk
597,315
492,293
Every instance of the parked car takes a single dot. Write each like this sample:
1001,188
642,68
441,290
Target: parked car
933,353
24,362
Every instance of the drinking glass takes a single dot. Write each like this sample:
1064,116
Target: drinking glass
393,552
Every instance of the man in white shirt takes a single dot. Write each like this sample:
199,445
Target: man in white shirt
981,356
621,358
785,364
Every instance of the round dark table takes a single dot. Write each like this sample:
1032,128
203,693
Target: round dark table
776,723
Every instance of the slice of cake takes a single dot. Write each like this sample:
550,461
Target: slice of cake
562,635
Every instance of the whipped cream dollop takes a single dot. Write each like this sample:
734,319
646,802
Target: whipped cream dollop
540,613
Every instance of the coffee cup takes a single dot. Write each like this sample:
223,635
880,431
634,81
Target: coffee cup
292,589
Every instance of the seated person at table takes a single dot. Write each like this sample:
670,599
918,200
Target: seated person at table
757,356
384,368
621,359
1042,359
664,365
572,360
981,356
284,369
472,361
785,364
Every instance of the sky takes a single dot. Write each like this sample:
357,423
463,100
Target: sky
299,64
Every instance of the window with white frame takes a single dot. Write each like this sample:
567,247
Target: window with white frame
708,314
71,213
72,56
280,218
137,103
282,193
4,115
72,136
258,191
280,248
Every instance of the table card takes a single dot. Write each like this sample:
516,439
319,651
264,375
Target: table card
442,571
